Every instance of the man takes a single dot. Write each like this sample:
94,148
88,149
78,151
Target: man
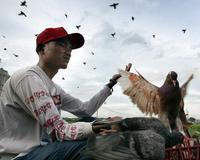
30,122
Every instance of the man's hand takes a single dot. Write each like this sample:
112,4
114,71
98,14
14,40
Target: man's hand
115,77
97,128
113,80
108,126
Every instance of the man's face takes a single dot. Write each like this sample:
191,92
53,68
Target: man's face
57,54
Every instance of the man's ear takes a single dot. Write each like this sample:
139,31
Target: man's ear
42,51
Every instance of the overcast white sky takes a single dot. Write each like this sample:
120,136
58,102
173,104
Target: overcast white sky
171,49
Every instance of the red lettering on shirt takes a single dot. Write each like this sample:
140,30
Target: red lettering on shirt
35,95
73,132
56,99
51,120
43,109
59,128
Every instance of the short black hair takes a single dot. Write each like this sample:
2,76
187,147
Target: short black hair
39,48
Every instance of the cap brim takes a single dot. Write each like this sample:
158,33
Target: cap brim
76,40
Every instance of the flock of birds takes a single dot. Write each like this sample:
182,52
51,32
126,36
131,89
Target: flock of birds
165,101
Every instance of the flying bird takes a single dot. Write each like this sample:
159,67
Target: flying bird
5,49
114,5
163,101
132,18
63,78
15,55
113,34
84,63
66,15
22,14
153,35
23,4
92,53
3,36
78,26
183,30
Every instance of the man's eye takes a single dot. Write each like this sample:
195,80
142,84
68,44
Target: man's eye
61,44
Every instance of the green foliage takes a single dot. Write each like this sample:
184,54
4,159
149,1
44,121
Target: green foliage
194,130
70,120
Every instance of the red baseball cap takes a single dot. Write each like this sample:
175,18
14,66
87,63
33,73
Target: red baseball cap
50,34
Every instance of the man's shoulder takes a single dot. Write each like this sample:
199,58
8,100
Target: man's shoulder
25,71
20,74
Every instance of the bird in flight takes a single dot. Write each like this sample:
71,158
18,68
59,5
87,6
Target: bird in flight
65,15
164,101
114,5
78,26
15,55
183,30
22,14
113,34
153,35
92,53
23,4
132,18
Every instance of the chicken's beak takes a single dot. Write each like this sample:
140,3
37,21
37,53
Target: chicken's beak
174,82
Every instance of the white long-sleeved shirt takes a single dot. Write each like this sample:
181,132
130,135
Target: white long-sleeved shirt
30,107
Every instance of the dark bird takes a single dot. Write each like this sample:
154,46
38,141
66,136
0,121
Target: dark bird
92,53
4,36
163,101
114,5
36,35
183,30
146,123
66,15
84,63
23,4
15,55
94,68
78,26
63,78
113,34
5,49
134,131
22,14
132,18
153,35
